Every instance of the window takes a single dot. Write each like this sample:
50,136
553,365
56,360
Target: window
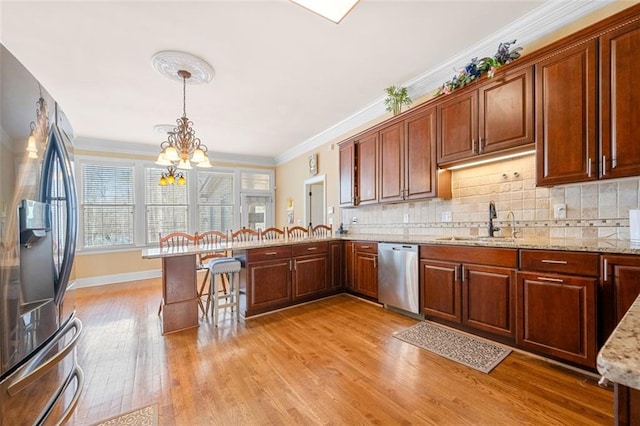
256,181
215,201
107,205
167,207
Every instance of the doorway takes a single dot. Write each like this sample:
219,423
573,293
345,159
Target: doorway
315,200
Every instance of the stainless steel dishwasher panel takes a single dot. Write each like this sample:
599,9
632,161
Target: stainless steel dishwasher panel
398,284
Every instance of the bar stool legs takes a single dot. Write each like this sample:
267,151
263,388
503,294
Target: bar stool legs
218,268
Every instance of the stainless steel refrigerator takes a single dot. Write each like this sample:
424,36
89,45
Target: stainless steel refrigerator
40,379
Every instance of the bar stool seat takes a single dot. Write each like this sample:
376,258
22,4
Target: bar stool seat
217,267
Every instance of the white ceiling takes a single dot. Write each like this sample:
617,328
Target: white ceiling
283,75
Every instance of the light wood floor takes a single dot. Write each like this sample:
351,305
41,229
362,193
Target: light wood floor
329,362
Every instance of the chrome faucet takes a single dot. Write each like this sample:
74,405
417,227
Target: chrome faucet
514,231
492,215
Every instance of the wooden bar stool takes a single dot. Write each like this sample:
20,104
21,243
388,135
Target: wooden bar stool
220,267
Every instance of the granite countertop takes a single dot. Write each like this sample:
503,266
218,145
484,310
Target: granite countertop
600,245
619,358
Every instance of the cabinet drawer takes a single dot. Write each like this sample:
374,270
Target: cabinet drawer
567,262
366,247
309,249
505,257
268,253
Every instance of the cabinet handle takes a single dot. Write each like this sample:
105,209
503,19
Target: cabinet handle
555,262
290,265
271,253
365,247
605,266
554,280
481,145
295,265
473,146
604,165
589,167
455,274
312,248
462,273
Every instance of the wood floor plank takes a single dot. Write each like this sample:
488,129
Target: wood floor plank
333,361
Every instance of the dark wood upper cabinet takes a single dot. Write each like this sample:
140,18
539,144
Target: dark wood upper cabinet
506,114
347,174
620,102
367,169
408,169
392,162
498,116
458,127
566,116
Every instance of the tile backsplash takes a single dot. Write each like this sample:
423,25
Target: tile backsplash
597,209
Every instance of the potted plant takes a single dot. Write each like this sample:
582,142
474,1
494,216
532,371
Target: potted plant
396,98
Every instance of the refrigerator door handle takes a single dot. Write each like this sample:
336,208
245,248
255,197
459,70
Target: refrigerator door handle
56,150
33,370
77,374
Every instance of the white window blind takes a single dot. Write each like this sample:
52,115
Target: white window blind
167,207
107,205
255,181
215,201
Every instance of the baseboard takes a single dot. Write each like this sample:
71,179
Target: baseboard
117,278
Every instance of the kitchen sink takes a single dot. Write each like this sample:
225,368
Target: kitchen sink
482,238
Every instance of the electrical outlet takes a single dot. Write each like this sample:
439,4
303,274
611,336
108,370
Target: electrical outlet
406,218
446,217
354,219
330,221
559,211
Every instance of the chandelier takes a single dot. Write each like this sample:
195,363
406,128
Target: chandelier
39,128
182,146
171,176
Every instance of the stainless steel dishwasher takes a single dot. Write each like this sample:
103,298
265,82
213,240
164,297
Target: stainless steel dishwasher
398,276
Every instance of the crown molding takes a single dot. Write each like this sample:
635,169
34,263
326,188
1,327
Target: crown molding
136,148
549,17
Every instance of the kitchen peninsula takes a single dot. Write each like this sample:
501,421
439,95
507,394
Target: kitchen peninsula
579,274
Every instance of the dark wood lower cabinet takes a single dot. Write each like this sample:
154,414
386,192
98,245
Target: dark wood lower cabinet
281,276
480,297
489,299
619,287
365,269
269,285
558,316
627,406
336,260
476,296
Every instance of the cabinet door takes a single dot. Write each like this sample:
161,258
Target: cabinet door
620,102
488,299
620,286
367,173
269,285
366,274
337,267
347,174
505,112
310,275
458,127
391,141
440,289
420,166
566,116
349,265
557,316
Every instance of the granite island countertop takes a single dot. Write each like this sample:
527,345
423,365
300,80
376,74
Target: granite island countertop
619,358
599,245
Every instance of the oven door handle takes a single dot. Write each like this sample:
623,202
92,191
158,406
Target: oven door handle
35,369
77,374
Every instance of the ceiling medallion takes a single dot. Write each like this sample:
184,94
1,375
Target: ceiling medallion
169,63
